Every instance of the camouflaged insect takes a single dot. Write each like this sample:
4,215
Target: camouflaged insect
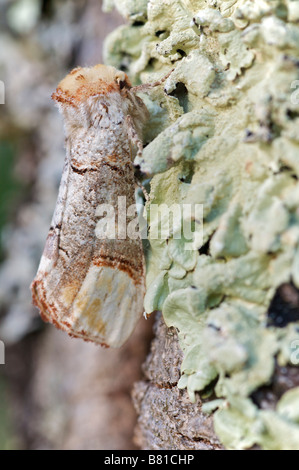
94,288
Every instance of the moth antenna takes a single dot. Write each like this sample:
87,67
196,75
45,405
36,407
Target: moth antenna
146,86
143,189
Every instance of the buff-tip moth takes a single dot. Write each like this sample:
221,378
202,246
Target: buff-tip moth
94,288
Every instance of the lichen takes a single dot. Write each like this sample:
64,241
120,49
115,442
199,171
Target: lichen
223,134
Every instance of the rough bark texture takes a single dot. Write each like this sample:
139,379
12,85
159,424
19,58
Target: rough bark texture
167,418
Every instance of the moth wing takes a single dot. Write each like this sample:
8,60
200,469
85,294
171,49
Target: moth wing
107,307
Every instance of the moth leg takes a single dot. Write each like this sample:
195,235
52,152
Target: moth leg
135,139
145,193
147,86
133,135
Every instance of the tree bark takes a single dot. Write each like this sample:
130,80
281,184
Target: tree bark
167,418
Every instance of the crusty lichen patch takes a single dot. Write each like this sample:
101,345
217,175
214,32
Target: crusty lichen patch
224,133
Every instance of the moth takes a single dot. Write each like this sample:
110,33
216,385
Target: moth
94,288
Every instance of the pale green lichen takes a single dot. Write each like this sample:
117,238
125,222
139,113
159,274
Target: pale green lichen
224,134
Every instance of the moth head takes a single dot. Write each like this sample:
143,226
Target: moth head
122,79
84,82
